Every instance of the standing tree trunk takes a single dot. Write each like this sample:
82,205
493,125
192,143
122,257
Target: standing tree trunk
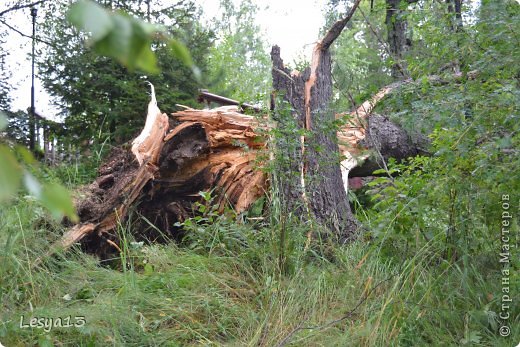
455,10
314,156
396,25
456,26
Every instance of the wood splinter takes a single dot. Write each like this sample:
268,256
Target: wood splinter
148,145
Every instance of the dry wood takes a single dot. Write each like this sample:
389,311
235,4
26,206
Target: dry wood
206,150
147,146
205,96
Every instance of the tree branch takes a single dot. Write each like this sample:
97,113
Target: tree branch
384,44
20,7
337,28
25,35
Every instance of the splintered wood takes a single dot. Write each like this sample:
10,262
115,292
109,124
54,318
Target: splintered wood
231,166
148,145
206,150
221,151
354,130
224,126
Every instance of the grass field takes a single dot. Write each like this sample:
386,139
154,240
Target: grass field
231,292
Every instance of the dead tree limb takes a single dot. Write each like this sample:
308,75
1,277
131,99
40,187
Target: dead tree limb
206,96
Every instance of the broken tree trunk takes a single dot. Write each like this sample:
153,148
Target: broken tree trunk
219,150
315,154
367,141
162,176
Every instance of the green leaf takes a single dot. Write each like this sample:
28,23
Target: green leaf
124,38
27,156
141,54
180,51
205,195
90,17
129,42
379,171
147,61
10,174
57,199
117,43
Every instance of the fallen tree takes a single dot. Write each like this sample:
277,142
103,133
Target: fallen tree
221,150
162,175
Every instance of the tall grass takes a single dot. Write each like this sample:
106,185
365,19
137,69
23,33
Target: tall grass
234,293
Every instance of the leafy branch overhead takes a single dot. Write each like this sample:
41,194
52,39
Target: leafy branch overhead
123,37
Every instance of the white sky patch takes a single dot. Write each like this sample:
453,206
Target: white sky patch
293,25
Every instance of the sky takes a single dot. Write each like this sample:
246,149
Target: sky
291,24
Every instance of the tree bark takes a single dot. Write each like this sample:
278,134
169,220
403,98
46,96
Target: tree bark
289,141
456,25
384,140
455,10
396,26
315,155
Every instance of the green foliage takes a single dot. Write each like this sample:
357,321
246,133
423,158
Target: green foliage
238,63
210,231
94,19
358,70
123,37
440,217
453,197
449,206
17,128
9,175
57,199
